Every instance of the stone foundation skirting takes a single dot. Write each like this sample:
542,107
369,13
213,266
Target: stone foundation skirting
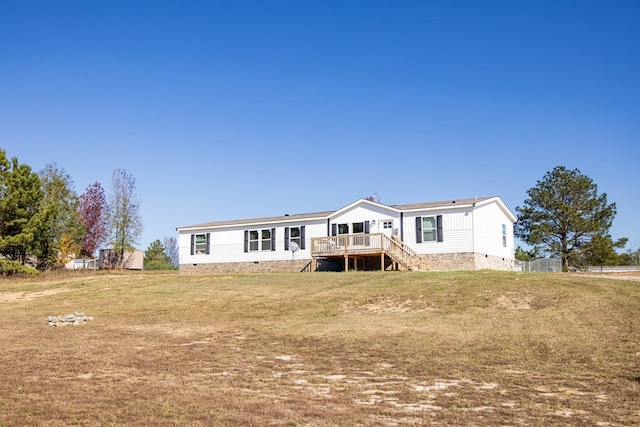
465,261
431,262
489,262
448,262
244,267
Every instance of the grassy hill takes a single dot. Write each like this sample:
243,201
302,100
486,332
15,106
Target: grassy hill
322,349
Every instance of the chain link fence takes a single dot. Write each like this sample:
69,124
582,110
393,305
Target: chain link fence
542,265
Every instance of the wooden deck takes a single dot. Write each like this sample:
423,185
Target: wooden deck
364,245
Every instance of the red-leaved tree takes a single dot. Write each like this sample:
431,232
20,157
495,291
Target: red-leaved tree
94,212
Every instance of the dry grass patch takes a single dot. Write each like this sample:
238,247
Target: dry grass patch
356,349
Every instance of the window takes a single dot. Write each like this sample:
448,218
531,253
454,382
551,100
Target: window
504,235
294,234
429,229
260,240
343,228
200,244
254,242
357,228
387,224
266,240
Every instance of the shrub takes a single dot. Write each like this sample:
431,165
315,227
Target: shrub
158,265
10,268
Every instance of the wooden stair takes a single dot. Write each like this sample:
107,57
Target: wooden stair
404,256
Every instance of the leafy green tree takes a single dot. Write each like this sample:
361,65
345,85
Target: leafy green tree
124,217
156,258
58,219
600,251
563,213
20,202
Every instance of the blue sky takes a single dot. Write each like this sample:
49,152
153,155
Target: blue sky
239,109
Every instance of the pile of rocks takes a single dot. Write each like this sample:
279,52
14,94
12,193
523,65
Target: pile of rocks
70,319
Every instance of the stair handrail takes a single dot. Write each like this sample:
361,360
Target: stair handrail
402,253
306,268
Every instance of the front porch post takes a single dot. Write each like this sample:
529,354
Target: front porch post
346,262
382,261
313,263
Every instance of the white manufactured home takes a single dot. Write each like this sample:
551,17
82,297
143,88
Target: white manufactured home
468,234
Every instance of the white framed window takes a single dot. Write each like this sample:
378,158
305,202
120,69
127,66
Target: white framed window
295,235
254,240
387,224
504,235
200,243
357,227
265,240
429,229
260,240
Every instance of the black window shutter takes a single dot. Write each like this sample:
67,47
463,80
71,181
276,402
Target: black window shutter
302,237
439,228
273,239
366,227
208,243
193,244
334,229
246,240
418,229
286,238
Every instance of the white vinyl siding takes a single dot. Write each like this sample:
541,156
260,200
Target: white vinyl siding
457,232
366,213
227,244
489,237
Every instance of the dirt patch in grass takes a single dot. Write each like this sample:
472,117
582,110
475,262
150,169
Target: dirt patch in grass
515,302
389,304
8,297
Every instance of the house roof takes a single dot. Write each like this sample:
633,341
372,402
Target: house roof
441,204
327,214
265,220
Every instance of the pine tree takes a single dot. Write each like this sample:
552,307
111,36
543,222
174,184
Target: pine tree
21,196
156,258
563,213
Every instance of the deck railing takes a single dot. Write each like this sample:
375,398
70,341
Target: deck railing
347,244
363,244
